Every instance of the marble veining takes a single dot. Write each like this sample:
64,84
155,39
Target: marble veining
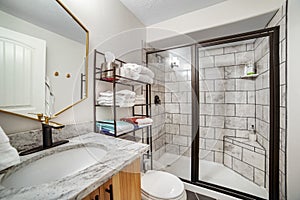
76,186
33,138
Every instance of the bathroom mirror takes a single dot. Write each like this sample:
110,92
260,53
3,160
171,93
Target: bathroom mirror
43,58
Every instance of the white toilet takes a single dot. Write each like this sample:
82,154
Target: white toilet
159,185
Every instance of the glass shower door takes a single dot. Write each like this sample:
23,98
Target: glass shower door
234,115
217,124
172,135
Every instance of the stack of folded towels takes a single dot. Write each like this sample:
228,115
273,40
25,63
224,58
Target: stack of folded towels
138,121
108,127
136,72
124,98
8,155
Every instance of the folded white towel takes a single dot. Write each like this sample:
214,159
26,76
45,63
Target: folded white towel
126,104
3,136
5,147
136,76
124,98
106,94
144,121
8,156
125,93
118,98
144,78
135,68
121,103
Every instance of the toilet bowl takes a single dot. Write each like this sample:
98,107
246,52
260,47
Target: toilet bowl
159,185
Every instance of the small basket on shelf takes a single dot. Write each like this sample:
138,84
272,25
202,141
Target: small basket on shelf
107,71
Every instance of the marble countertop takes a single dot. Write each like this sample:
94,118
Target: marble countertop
76,186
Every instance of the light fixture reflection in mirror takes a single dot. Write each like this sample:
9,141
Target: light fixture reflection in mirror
33,77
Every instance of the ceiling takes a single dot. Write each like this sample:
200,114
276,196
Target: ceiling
154,11
242,26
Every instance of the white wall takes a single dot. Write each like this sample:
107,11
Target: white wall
226,12
293,99
111,27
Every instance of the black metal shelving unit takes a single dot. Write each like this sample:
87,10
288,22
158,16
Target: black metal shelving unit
145,110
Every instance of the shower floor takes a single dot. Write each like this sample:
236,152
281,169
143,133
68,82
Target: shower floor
210,172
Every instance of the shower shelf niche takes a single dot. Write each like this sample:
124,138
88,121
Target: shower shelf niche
249,76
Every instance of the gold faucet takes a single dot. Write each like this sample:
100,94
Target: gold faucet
39,115
47,127
46,119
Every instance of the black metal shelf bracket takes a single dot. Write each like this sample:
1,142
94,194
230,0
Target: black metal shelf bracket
125,81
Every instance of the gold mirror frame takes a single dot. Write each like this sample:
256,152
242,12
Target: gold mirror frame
86,70
86,59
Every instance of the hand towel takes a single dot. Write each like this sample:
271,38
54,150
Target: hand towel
135,68
144,121
8,155
3,136
138,77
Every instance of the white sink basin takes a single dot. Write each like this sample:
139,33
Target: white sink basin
54,167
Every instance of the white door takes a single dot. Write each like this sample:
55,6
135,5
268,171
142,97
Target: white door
22,72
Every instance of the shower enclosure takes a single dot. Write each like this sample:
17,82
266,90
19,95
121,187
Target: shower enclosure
217,125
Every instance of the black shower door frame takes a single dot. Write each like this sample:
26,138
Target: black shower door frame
273,35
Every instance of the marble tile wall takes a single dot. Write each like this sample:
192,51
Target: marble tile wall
246,158
178,94
33,138
262,96
227,102
262,89
158,111
228,105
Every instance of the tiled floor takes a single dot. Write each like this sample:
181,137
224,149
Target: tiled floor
195,196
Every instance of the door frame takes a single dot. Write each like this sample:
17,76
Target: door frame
273,35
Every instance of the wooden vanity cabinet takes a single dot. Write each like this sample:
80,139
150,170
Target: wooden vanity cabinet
95,195
100,193
125,185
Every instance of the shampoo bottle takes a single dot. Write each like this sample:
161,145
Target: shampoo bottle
250,68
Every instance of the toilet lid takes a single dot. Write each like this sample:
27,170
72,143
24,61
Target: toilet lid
162,184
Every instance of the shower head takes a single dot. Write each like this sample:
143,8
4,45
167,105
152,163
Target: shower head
174,62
